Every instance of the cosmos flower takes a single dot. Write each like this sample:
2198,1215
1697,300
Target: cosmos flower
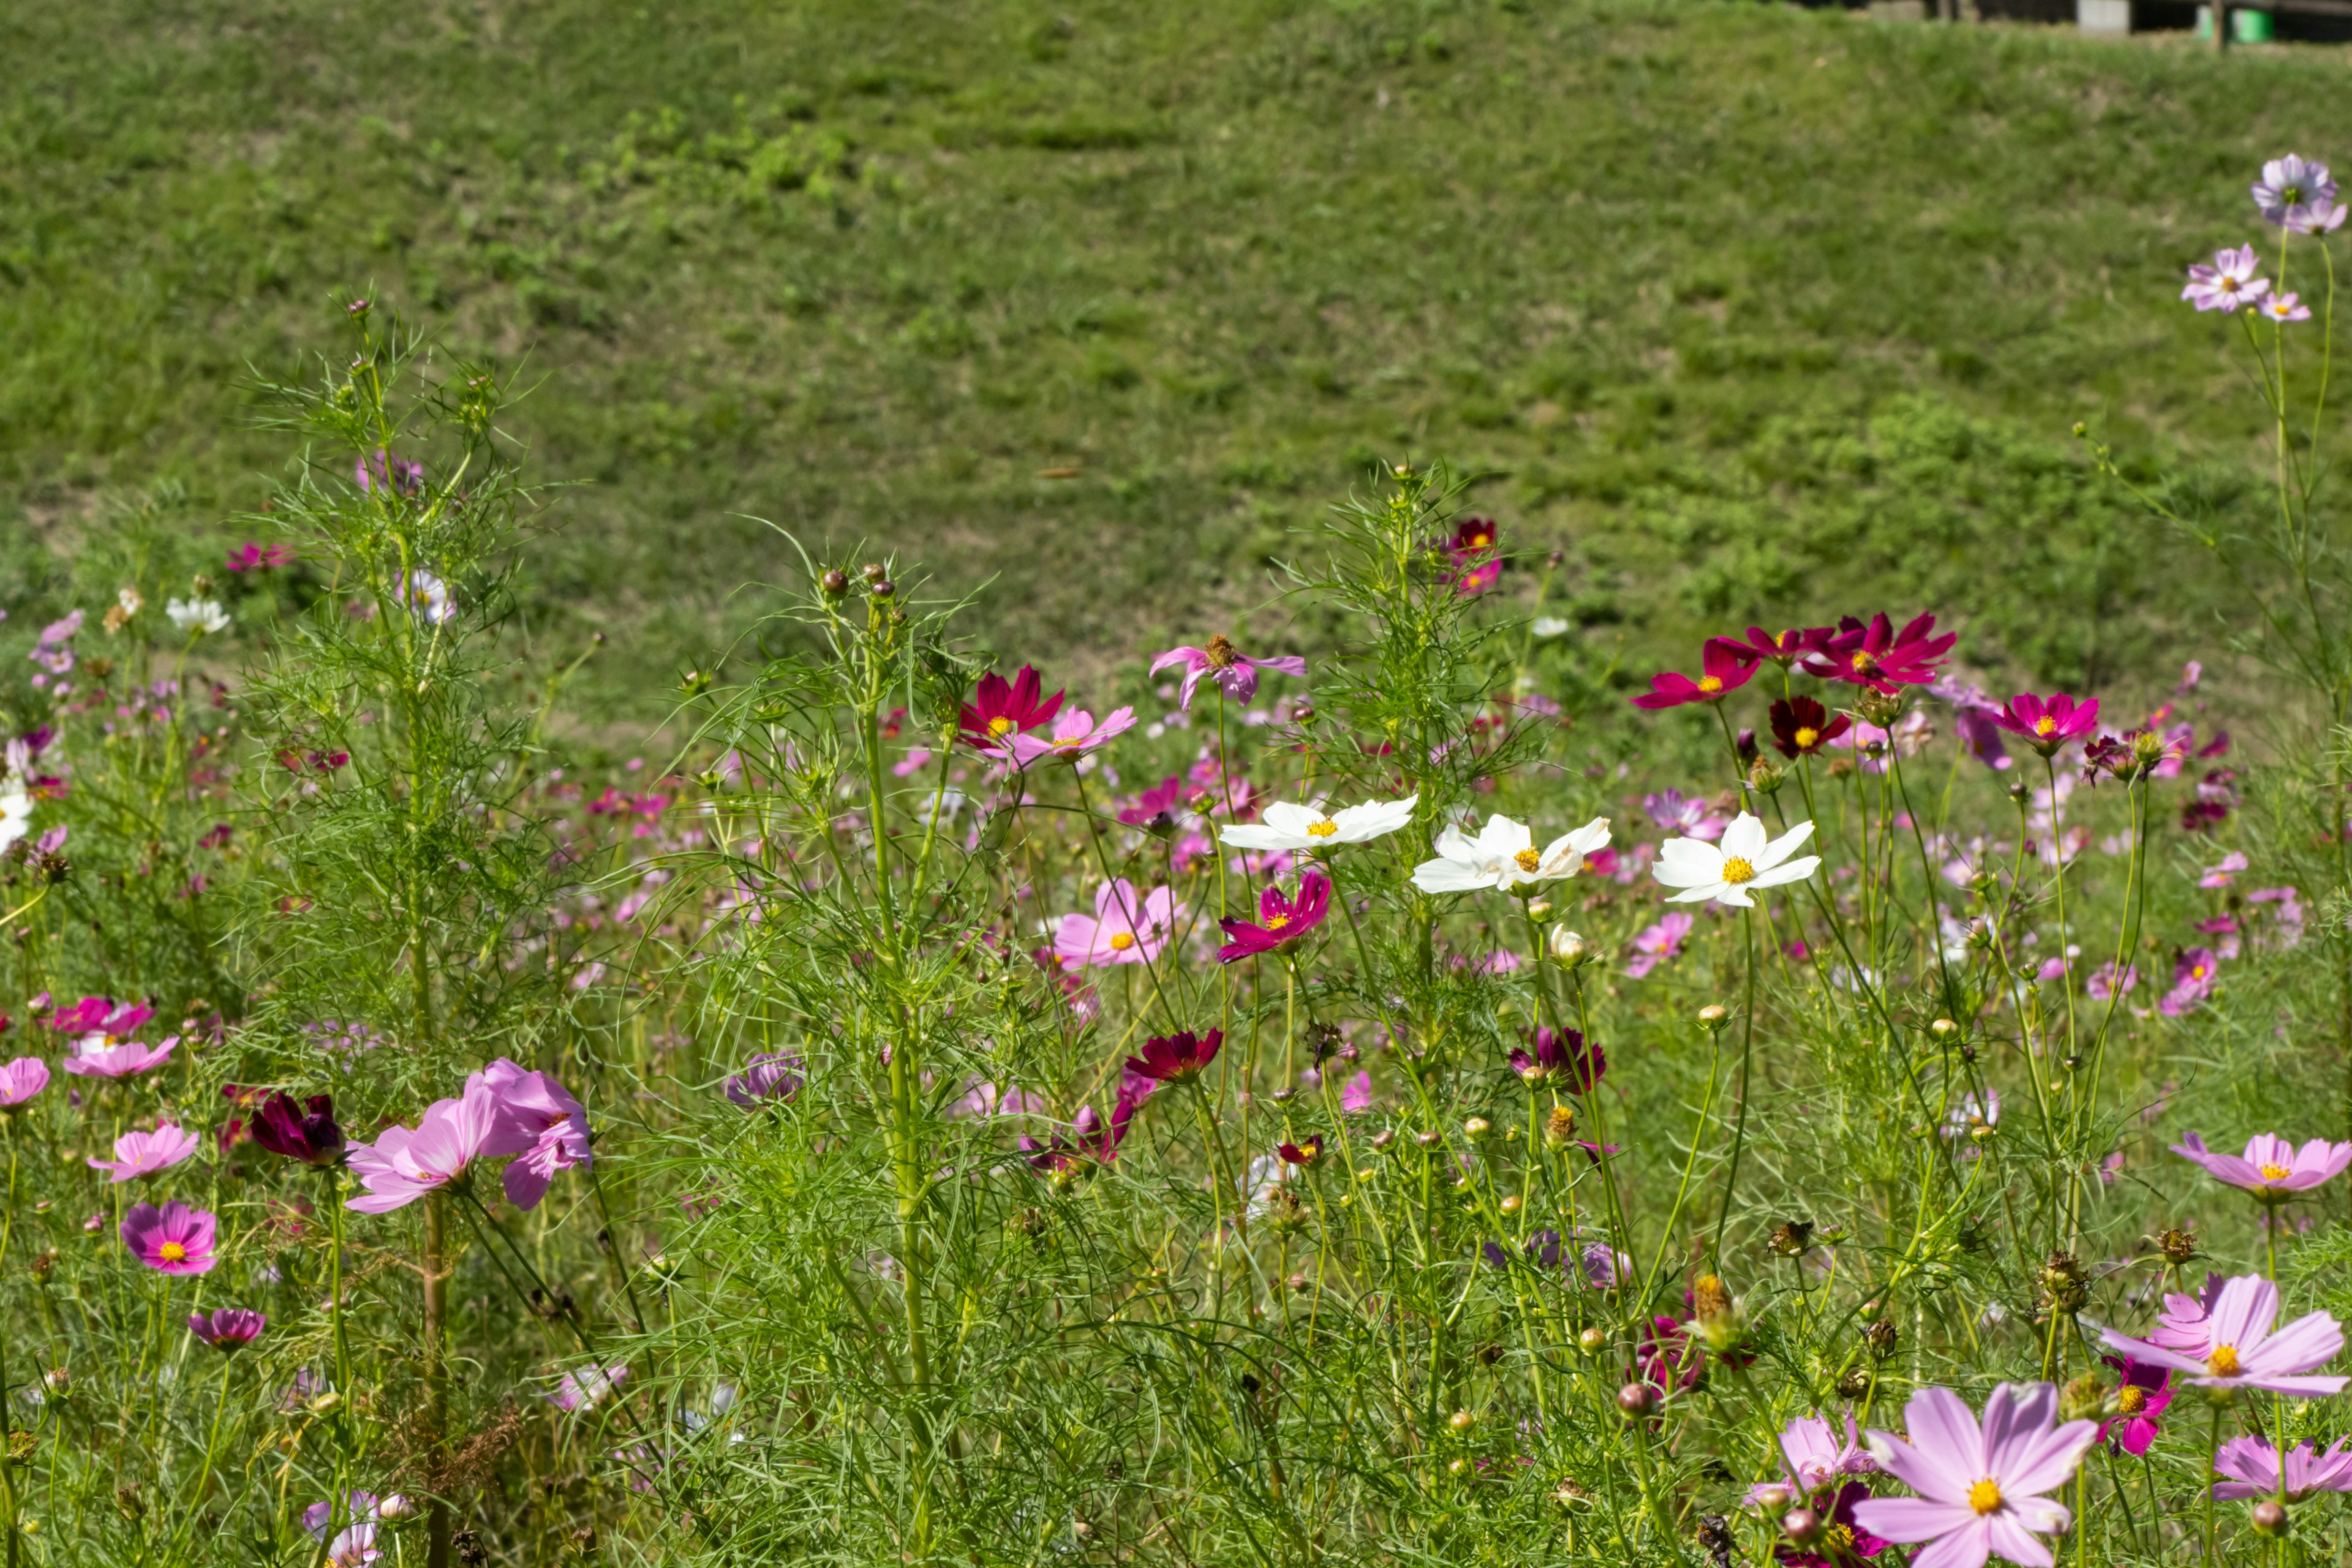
400,1166
2290,188
2271,1168
1678,812
1235,671
254,557
299,1129
2229,283
1124,929
1878,655
2284,308
126,1061
1179,1057
1000,710
21,1079
1302,1155
1089,1138
228,1328
2140,1397
1743,863
2194,975
1503,856
427,595
2253,1466
1561,1057
1473,537
1076,733
1356,1094
1983,1488
2186,1323
1303,827
1282,922
1658,943
2242,1350
585,1387
1801,726
540,1124
1842,1537
173,1239
1783,651
202,615
2048,725
770,1076
138,1155
1818,1456
1721,673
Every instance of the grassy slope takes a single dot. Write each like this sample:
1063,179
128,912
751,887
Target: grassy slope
1752,309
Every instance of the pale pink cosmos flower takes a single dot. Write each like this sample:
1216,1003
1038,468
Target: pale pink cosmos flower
358,1508
2185,1325
1983,1488
1690,815
582,1388
96,1058
401,1165
2229,283
2290,188
2284,308
140,1155
1660,942
21,1079
2104,984
2270,1168
1126,927
2254,1466
173,1239
2242,1351
1235,671
354,1548
540,1124
2223,875
1076,733
1817,1457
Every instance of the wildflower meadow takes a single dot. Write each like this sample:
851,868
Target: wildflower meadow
1378,1083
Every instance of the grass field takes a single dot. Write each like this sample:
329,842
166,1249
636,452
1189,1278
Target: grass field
1752,310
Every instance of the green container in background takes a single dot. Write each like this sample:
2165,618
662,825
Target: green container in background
2245,27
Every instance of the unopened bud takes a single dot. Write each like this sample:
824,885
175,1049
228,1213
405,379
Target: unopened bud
395,1508
873,572
884,588
1637,1401
1766,776
2270,1518
1800,1524
1773,1497
1540,910
1713,1016
1427,1138
1943,1028
1460,1420
1568,948
833,584
1592,1341
1511,1203
1476,1127
1299,1284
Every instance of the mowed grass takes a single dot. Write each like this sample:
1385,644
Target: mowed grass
1754,312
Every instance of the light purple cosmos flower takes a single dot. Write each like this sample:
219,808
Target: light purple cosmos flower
1983,1487
582,1388
1076,733
770,1075
1660,942
2271,1168
2242,1350
2185,1325
359,1507
1233,671
1691,816
2284,308
228,1328
2290,188
1817,1455
140,1155
104,1060
400,1166
354,1548
175,1239
540,1124
2104,983
2194,974
2254,1466
2223,875
21,1079
1126,927
1356,1094
2229,283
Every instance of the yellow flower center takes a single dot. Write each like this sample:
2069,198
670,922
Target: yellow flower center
1322,829
1528,860
1221,652
2223,1361
171,1252
2130,1401
1710,683
1275,923
2045,725
1480,540
2275,1172
999,725
1864,663
1985,1496
1838,1537
1121,941
1070,745
1736,870
2196,971
1807,737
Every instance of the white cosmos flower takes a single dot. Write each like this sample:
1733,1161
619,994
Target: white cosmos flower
198,615
16,811
1309,826
1735,866
1504,857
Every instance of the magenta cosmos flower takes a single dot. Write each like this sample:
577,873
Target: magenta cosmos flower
1179,1057
1783,650
1983,1488
2229,283
1659,942
1281,921
2049,724
1562,1057
2253,1468
140,1155
299,1129
175,1239
2194,973
21,1079
2240,1351
1089,1138
2140,1397
1074,734
1843,1538
103,1061
1235,671
1126,928
1721,673
1000,708
538,1123
101,1016
228,1328
1878,655
400,1166
2271,1168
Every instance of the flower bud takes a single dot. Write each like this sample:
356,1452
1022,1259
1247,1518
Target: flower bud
1476,1127
1460,1420
1384,1138
1773,1499
1458,1468
1800,1524
884,588
395,1508
873,572
1427,1138
1592,1341
1880,708
1540,910
1510,1203
1943,1028
833,584
1713,1016
2269,1518
1568,948
1638,1400
1300,1284
1766,776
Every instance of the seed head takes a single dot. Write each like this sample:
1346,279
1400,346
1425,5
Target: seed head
2179,1245
1766,776
2065,1286
1559,1127
1791,1237
1882,1337
2082,1399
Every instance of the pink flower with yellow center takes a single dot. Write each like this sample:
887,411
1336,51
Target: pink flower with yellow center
1281,921
2243,1351
1984,1487
2048,724
173,1239
2271,1168
1126,927
1722,672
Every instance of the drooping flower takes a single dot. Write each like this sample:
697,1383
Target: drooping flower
999,709
175,1239
2048,725
1076,733
540,1124
1179,1057
2284,308
2242,1350
125,1060
1282,922
1089,1138
140,1155
1235,671
2194,973
2254,1466
1126,928
2290,188
2140,1397
228,1328
1561,1057
768,1078
21,1079
400,1166
299,1129
1878,655
1721,673
1744,862
1983,1487
1504,857
585,1387
2229,283
1783,650
1801,726
1302,827
2271,1168
1658,943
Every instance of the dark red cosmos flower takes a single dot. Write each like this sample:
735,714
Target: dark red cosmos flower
1841,1539
303,1130
1001,709
1721,673
1281,921
2047,726
1562,1057
1179,1057
1801,726
1305,1153
1879,657
1783,650
1475,536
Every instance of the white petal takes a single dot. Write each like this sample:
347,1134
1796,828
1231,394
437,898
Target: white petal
1374,819
1258,836
1292,818
1444,876
1794,871
1591,837
1745,838
1700,894
1453,844
1780,848
1503,838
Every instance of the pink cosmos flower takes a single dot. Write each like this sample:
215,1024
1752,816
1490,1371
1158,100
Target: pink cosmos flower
1474,581
117,1061
1661,942
101,1016
2254,1466
1160,808
1235,671
140,1155
2194,974
2290,188
2271,1168
2242,1350
1783,650
1179,1057
1001,709
1835,1508
1878,655
1283,922
2223,875
354,1548
2140,1398
1561,1056
769,1076
359,1507
2229,283
1124,928
540,1124
1356,1094
585,1387
21,1079
2049,725
2186,1323
1089,1140
401,1165
1983,1487
1074,734
1817,1457
2284,308
2102,983
1690,815
228,1328
1721,673
252,557
175,1239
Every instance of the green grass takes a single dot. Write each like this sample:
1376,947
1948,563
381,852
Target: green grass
1755,310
